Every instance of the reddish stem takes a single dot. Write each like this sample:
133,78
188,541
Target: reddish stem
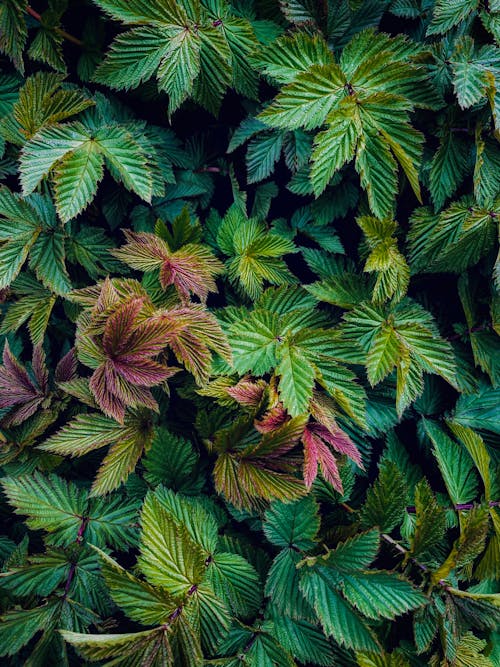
483,327
208,170
460,506
72,569
71,574
59,31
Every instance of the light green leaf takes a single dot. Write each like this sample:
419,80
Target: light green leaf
45,149
169,557
307,101
296,380
76,179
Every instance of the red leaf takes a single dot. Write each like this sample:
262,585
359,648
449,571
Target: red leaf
339,440
316,452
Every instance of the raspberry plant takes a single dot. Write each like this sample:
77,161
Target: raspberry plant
249,314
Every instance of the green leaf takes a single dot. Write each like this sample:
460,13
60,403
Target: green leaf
455,464
469,545
137,646
448,168
306,101
379,594
18,626
478,411
76,179
449,14
262,154
235,581
126,156
337,617
192,515
254,342
282,584
13,254
478,451
385,504
255,254
47,259
140,601
50,503
355,553
133,58
180,66
112,521
169,461
335,146
290,55
472,71
119,462
383,355
292,525
13,30
41,576
47,147
296,380
84,434
303,640
430,525
169,557
346,290
378,173
167,12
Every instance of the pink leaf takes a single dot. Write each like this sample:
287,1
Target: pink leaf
40,369
66,368
339,440
145,373
109,403
119,327
247,392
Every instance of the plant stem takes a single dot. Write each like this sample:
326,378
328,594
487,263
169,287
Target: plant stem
72,569
461,506
59,31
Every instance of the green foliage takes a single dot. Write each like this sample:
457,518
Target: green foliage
249,319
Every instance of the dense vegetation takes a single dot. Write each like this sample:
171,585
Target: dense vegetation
249,307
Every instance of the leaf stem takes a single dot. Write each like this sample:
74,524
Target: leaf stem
460,506
60,31
72,569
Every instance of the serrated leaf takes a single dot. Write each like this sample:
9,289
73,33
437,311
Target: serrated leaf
169,557
49,502
430,524
292,524
76,179
385,504
337,617
296,380
455,464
